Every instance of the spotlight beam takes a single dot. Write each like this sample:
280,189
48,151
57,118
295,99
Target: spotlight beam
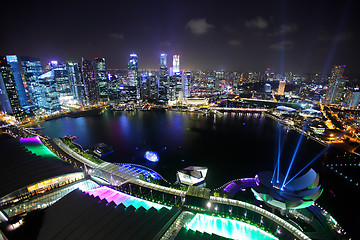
294,155
278,158
314,159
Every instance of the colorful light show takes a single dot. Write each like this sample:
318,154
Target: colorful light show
228,228
34,145
119,197
151,156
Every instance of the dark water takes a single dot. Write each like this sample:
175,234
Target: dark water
231,146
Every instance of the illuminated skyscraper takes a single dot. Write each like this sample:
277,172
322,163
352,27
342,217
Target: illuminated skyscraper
100,73
32,69
186,83
91,88
176,64
76,82
49,95
12,60
281,89
11,103
133,74
335,92
163,79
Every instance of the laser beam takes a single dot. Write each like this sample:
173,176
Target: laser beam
314,159
294,155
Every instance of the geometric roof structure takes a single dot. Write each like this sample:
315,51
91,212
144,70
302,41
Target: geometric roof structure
192,175
19,167
300,192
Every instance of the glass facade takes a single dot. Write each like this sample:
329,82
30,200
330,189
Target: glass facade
12,60
133,74
101,78
91,88
32,69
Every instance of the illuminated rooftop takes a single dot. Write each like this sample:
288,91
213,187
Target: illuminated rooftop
119,197
228,228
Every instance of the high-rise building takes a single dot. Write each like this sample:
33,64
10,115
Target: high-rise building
335,92
76,82
49,96
32,69
5,106
91,88
63,84
150,87
186,83
12,60
8,85
101,78
163,79
133,74
281,89
176,64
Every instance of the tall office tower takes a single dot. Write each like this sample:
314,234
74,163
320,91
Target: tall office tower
186,83
102,81
76,82
176,88
63,84
8,83
281,88
335,92
5,106
219,77
49,96
91,88
176,64
163,79
32,69
12,60
133,74
150,87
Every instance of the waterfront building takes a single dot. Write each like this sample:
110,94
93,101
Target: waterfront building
10,103
12,60
150,87
88,75
163,79
133,74
335,92
102,81
49,95
176,64
76,82
176,87
186,81
32,69
128,94
63,83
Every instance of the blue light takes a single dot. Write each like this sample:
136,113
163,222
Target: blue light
294,156
151,156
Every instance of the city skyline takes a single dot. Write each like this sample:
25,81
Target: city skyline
298,36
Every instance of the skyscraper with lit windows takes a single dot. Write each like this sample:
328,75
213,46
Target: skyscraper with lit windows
133,74
12,60
10,100
176,64
91,87
32,69
101,78
335,92
163,79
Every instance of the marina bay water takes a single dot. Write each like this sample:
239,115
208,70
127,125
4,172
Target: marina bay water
232,145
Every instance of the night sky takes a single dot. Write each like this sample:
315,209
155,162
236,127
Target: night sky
299,36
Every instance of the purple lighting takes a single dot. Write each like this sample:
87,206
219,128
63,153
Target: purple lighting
111,195
31,140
